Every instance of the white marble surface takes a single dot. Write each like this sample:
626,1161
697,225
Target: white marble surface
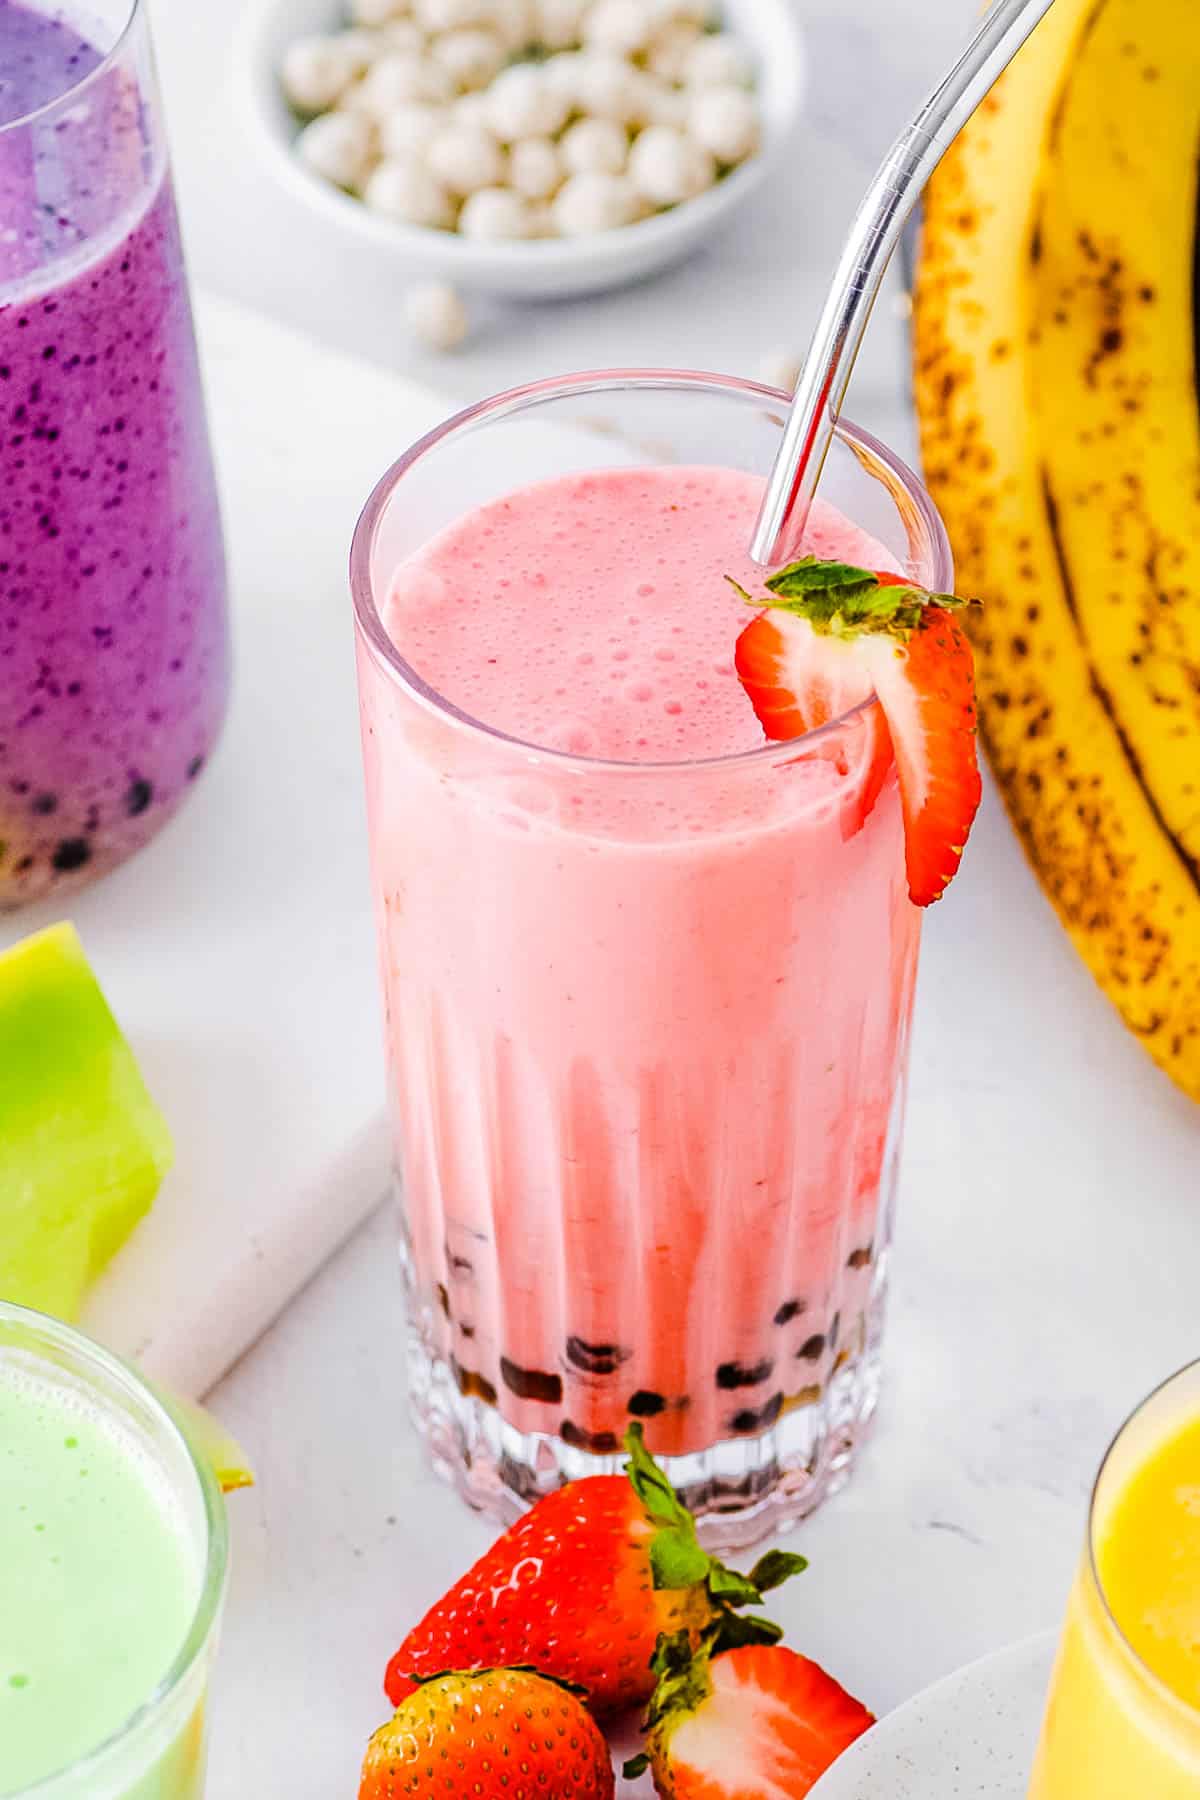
1050,1217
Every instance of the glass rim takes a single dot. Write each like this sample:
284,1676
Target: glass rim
88,1354
515,400
70,94
1167,1695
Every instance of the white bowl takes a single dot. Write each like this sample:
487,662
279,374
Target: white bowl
547,268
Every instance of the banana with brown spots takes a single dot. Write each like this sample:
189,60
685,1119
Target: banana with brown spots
1057,388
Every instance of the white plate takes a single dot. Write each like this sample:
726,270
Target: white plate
971,1737
548,268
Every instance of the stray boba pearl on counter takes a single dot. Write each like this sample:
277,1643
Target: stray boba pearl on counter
510,120
436,315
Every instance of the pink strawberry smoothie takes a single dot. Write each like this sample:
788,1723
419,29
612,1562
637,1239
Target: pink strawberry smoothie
647,996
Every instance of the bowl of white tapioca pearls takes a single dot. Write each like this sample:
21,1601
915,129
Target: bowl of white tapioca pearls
538,148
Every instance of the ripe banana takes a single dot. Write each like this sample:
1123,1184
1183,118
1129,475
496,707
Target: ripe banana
1056,384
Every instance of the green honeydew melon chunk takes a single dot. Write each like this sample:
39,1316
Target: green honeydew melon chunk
83,1148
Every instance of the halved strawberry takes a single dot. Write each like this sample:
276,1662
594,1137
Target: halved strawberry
829,637
751,1723
583,1587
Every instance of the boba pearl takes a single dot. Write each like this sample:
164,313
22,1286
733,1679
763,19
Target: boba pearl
494,215
471,110
726,121
667,166
404,189
465,160
403,36
668,55
595,147
338,147
780,368
622,26
718,60
434,313
594,202
663,104
470,58
316,73
396,80
607,87
451,15
558,24
522,103
377,12
409,130
535,168
514,24
695,14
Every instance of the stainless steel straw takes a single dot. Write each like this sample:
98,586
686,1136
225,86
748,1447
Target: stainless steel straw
877,228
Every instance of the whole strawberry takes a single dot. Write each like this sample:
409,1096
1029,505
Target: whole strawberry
828,638
583,1587
752,1723
503,1734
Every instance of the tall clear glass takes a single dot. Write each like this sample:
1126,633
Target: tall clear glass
158,1753
1113,1729
114,658
647,1024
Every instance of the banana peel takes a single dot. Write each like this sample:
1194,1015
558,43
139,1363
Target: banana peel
1056,385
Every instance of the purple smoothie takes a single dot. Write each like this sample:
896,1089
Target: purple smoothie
113,638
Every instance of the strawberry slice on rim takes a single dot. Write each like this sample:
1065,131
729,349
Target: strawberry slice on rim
830,635
753,1722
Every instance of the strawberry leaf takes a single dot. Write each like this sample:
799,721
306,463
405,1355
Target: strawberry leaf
776,1567
676,1559
727,1586
635,1766
840,600
734,1630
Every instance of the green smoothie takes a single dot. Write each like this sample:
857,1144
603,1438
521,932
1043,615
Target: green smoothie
99,1584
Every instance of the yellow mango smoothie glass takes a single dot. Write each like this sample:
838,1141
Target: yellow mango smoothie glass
1123,1719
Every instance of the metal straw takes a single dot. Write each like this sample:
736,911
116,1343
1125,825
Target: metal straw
877,229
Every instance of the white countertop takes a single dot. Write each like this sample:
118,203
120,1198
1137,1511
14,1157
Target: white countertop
1045,1271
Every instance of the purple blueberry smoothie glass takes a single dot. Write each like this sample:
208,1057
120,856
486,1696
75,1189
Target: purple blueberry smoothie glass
114,654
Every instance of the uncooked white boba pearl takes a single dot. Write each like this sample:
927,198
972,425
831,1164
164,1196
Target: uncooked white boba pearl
434,16
514,23
465,160
607,87
558,24
595,146
472,110
404,36
561,72
622,26
669,51
726,121
718,60
697,15
435,313
361,49
403,188
410,129
316,73
662,104
667,166
396,80
470,58
338,147
522,103
494,215
377,12
780,369
594,202
535,168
